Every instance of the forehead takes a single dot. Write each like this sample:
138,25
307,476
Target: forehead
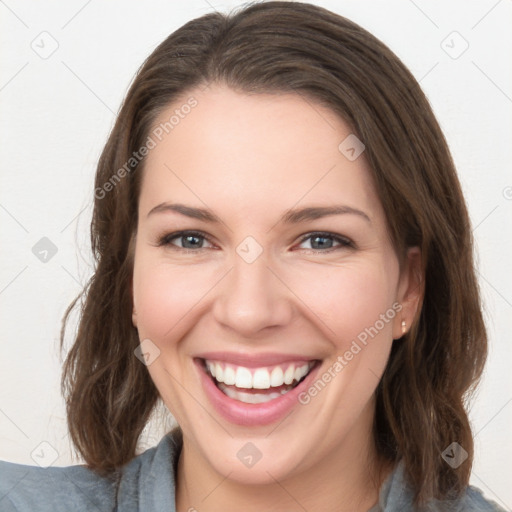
242,152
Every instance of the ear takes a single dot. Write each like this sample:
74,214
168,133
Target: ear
131,251
134,311
134,318
410,292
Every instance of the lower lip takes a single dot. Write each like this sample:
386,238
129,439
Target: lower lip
247,415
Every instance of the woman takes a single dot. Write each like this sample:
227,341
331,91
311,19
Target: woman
284,258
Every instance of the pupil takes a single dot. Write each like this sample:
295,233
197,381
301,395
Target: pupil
187,240
321,244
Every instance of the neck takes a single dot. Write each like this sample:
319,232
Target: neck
347,479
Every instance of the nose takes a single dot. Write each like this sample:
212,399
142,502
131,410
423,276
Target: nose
252,298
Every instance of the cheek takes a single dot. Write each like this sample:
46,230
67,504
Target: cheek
167,299
351,300
356,304
164,295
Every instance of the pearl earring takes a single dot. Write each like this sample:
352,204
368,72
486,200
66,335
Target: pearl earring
404,328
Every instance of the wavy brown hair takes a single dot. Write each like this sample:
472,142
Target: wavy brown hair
291,47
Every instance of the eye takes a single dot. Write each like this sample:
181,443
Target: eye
324,241
193,241
189,240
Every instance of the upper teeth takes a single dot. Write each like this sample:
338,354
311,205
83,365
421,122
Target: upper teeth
257,378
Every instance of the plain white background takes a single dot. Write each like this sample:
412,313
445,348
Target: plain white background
57,110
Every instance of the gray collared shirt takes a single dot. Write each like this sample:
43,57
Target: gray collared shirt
147,484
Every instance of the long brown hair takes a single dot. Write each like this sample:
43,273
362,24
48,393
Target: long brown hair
275,47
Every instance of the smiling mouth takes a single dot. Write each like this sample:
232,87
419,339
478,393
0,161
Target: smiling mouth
257,385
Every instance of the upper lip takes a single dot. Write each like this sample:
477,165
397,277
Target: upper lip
254,360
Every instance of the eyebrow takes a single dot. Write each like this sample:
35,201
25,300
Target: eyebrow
289,217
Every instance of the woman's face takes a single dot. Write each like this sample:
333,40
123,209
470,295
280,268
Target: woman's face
267,289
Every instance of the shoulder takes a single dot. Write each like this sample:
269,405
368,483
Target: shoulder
148,482
474,501
396,494
28,488
24,488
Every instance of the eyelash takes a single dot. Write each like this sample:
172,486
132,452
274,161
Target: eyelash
344,242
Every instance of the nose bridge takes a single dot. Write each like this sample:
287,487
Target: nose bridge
251,297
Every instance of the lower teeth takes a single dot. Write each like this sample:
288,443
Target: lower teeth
251,398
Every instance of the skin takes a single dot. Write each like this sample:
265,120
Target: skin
249,159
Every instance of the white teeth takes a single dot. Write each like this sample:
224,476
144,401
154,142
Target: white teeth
301,372
250,398
258,378
219,373
243,378
261,379
276,377
229,376
288,374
